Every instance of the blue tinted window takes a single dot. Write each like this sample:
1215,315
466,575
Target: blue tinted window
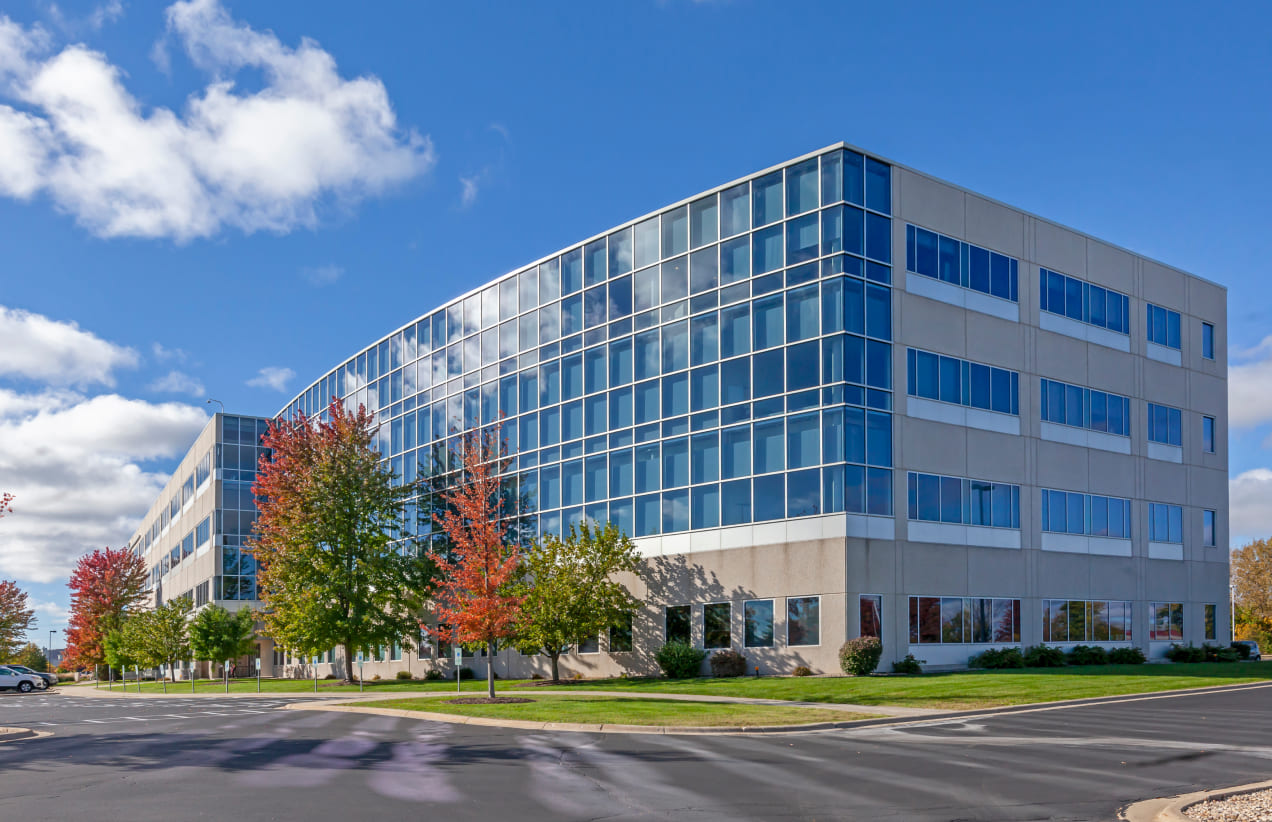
705,457
766,197
646,402
735,452
768,373
801,366
878,238
735,380
705,507
735,502
803,440
879,312
1165,425
647,468
766,249
675,454
802,311
769,453
648,515
878,186
770,497
704,339
1163,326
704,387
735,260
675,395
675,508
803,493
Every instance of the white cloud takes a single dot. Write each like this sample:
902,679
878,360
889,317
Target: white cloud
1250,505
51,613
57,353
163,354
322,275
272,377
257,160
76,466
177,382
1250,386
468,190
95,20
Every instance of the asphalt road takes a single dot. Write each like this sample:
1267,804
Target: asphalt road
142,759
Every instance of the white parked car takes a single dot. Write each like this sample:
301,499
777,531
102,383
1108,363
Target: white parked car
48,679
26,683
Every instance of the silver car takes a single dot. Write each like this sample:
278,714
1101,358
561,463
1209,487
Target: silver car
49,680
26,683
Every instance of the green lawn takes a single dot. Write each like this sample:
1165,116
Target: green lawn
600,710
970,689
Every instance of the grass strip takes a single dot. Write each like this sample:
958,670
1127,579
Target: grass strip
603,710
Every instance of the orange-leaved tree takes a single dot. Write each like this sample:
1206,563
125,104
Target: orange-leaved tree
475,597
5,507
105,585
336,564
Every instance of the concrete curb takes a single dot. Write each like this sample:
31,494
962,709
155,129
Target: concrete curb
17,734
1172,809
668,730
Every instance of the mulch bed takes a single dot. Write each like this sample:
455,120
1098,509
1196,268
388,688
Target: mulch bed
486,700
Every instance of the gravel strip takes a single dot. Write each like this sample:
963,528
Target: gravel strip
1246,807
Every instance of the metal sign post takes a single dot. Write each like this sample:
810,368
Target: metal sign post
360,677
459,660
257,662
192,676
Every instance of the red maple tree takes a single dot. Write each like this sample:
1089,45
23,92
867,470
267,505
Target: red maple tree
474,598
5,507
105,584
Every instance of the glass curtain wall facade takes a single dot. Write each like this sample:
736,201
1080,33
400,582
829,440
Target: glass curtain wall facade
725,362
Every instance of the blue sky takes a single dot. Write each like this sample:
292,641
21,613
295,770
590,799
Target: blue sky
470,138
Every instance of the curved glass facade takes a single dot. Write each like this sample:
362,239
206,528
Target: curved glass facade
723,362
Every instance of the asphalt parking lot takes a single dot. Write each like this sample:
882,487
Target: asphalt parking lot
143,758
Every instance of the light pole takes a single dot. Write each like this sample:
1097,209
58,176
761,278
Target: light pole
218,402
48,657
1232,612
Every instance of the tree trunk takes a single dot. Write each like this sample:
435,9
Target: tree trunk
490,670
348,646
556,665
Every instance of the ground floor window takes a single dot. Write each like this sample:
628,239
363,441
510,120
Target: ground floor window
964,620
397,652
589,645
620,635
1168,621
677,622
715,625
871,615
757,623
1080,620
803,621
1210,621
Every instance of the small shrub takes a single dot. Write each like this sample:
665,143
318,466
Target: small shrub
1088,655
1216,653
909,665
576,676
403,675
1185,653
802,670
860,656
728,662
1243,651
536,676
997,658
329,676
1126,656
1043,656
466,673
375,678
433,675
680,660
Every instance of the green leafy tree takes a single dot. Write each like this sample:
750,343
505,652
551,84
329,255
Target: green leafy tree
118,650
164,638
218,635
16,618
570,590
32,657
332,570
